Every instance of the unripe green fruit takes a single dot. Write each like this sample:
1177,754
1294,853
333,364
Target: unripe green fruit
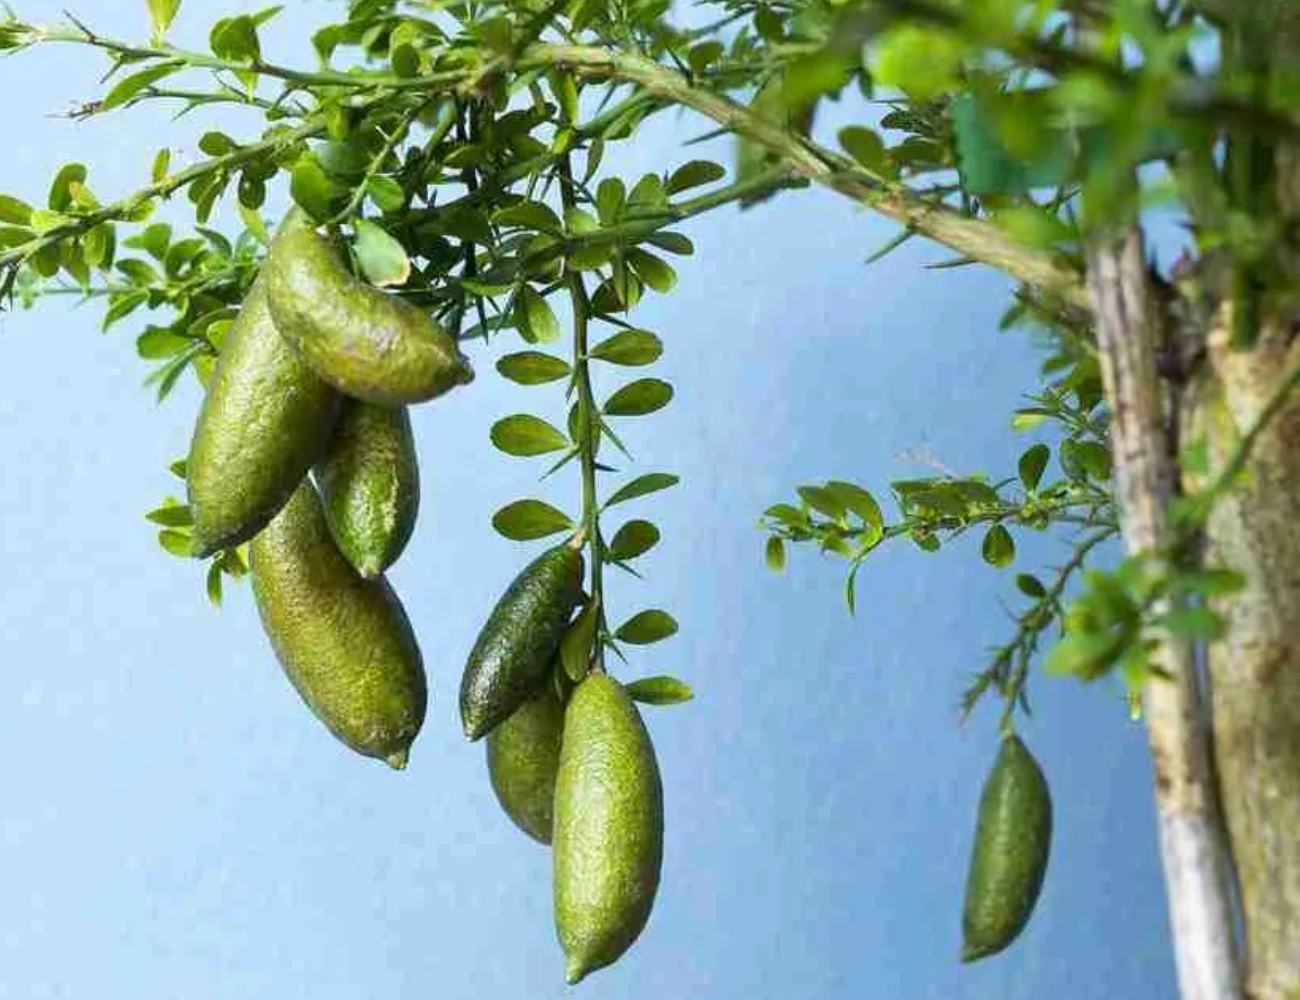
523,755
344,642
265,419
1009,860
365,342
509,661
370,484
609,827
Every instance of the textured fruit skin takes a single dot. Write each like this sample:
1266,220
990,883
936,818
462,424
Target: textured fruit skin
344,642
368,344
369,481
266,418
1012,843
523,755
609,827
517,643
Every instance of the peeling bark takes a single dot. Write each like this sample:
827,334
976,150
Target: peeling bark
1130,338
1255,669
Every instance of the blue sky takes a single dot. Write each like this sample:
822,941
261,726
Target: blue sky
177,825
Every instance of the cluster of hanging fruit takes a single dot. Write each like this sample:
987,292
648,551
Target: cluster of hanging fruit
312,384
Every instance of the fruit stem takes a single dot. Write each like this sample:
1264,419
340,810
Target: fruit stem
588,433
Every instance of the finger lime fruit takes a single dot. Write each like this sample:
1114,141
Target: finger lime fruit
518,642
1012,842
369,481
365,342
344,642
265,419
523,755
609,827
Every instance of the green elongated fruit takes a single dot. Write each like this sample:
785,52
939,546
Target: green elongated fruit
344,642
265,419
523,756
366,343
370,483
609,827
1012,843
518,642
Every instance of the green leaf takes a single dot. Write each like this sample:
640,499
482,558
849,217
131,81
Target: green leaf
647,627
634,539
656,273
162,13
178,543
578,642
529,215
61,190
999,547
610,197
1194,623
866,146
235,38
986,162
823,501
214,584
160,342
629,347
172,515
524,435
386,193
14,212
534,317
1032,465
526,520
638,398
775,554
672,243
660,691
1030,586
162,163
860,502
129,86
382,258
814,75
651,482
694,174
312,189
533,368
1084,655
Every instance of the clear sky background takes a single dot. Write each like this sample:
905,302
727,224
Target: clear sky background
177,825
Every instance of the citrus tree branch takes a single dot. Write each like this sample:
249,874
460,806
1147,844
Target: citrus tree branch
978,239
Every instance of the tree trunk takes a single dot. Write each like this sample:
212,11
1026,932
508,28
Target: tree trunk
1130,336
1255,668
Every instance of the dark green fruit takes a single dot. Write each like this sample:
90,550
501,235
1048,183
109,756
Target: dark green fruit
609,827
517,644
1012,843
523,755
370,484
365,342
344,642
266,418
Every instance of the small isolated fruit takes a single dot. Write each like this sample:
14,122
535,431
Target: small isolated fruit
1012,843
344,642
367,343
609,827
518,642
523,755
266,418
370,483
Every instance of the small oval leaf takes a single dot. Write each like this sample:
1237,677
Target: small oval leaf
526,520
634,539
651,482
999,547
647,627
525,435
629,347
662,690
639,398
533,367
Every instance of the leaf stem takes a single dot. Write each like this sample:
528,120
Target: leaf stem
588,433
